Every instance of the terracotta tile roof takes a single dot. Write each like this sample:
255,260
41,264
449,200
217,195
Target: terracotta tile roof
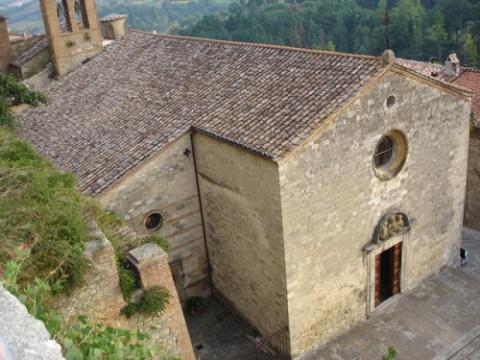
112,17
436,71
39,43
141,93
470,79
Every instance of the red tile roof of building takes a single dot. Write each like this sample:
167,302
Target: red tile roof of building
468,78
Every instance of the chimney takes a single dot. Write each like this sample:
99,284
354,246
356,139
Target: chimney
5,46
452,65
114,26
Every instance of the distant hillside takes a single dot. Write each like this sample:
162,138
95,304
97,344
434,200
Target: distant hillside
419,29
149,15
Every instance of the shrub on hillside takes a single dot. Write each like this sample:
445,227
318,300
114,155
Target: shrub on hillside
14,93
40,209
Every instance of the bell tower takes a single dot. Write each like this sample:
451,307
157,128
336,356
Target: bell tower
5,47
73,32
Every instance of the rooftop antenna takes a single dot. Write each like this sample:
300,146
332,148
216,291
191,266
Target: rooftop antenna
387,21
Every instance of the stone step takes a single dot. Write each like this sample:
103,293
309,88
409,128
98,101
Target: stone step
467,348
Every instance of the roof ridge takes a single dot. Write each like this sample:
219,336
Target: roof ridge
259,45
449,85
470,69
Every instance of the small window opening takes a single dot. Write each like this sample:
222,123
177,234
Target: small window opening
154,221
63,20
391,101
384,152
81,13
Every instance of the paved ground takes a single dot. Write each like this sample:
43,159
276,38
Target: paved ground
438,320
218,335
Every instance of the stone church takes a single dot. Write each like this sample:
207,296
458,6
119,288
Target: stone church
306,189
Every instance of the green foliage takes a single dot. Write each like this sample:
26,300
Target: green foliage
34,295
81,340
127,277
14,93
40,209
154,301
159,15
43,222
419,29
156,239
391,355
86,341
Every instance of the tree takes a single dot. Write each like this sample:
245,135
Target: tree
457,13
407,27
471,50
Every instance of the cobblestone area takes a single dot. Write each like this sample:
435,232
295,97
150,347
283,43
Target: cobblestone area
439,319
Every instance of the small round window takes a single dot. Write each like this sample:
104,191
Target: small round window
390,155
153,221
391,101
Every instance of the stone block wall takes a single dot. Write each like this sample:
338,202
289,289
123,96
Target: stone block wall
332,201
100,298
151,263
166,183
240,198
472,203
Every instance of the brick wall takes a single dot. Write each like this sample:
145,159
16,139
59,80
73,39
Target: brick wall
166,183
332,202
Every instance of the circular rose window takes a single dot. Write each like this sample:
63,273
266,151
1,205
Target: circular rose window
390,155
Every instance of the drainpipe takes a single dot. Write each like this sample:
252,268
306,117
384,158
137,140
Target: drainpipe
197,182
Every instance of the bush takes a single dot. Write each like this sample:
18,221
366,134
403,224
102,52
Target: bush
127,277
14,93
391,355
153,302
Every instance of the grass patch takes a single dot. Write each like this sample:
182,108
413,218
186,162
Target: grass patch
40,209
156,239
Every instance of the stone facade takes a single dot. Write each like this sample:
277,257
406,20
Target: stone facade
332,202
240,196
472,203
166,183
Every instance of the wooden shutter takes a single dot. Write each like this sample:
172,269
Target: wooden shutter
378,270
396,268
